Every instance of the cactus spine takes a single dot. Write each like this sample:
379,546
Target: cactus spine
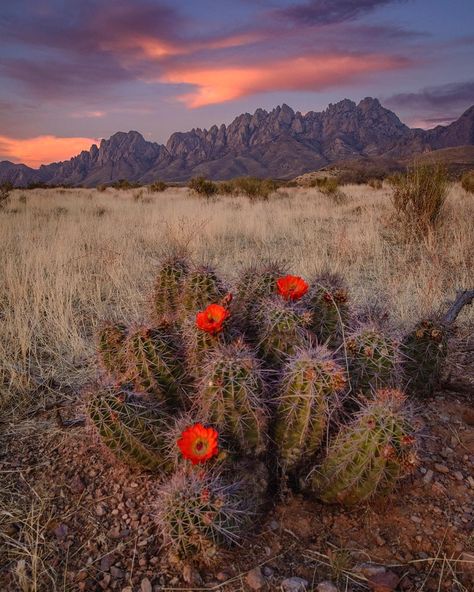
370,455
373,359
130,427
424,350
201,287
153,363
330,310
110,347
230,397
283,327
198,513
167,290
309,391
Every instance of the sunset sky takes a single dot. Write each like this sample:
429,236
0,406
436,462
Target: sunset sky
75,71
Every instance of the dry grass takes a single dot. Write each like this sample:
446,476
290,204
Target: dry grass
69,258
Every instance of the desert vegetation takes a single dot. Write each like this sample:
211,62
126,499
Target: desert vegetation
219,412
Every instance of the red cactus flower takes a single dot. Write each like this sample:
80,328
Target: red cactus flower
212,318
198,443
291,287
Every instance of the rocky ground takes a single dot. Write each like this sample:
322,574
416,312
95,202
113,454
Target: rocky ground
74,521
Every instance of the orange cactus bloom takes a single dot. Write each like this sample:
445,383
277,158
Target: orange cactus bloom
198,443
291,287
212,318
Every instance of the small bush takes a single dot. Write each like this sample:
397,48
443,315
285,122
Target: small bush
5,189
101,188
124,184
254,188
467,181
327,185
419,198
157,187
375,183
203,186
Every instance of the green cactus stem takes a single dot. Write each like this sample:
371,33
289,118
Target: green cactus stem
330,309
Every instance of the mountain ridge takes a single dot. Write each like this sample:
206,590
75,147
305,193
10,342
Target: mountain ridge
280,143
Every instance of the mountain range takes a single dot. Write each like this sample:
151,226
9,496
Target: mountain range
280,144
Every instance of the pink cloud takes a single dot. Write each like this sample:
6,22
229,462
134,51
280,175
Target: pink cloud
42,149
218,84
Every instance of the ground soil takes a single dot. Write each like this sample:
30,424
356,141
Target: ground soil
76,521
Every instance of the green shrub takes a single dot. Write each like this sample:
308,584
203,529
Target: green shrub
5,189
203,186
157,187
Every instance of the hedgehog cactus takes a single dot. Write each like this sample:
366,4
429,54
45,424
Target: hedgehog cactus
283,327
167,290
254,285
130,427
153,363
230,397
424,350
110,347
198,512
370,455
309,391
330,310
373,359
201,287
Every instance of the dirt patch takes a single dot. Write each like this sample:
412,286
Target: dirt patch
72,520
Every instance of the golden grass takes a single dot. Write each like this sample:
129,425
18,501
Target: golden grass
69,258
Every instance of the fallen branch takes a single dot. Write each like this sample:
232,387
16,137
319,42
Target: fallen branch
463,298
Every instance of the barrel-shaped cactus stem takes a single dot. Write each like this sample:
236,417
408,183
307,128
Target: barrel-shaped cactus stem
168,289
330,309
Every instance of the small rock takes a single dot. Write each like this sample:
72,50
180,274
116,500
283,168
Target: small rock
268,571
428,477
470,480
369,570
294,584
222,576
255,579
326,587
116,572
77,485
458,475
99,510
441,468
383,582
145,585
106,562
416,519
190,575
61,531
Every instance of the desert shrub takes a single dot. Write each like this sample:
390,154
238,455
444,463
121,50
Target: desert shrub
419,197
375,183
203,186
101,188
226,188
327,185
254,188
157,186
124,184
5,189
467,182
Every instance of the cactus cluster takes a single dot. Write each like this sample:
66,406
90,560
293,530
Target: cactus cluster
223,392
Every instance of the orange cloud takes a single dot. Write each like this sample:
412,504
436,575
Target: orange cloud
42,149
315,72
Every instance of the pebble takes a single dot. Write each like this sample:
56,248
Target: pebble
268,571
145,585
77,484
429,476
470,480
116,572
441,468
255,579
383,582
106,562
458,475
416,519
326,587
294,584
222,576
100,510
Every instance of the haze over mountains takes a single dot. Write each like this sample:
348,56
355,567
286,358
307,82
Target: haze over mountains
281,144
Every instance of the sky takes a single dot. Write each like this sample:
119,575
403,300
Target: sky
75,71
